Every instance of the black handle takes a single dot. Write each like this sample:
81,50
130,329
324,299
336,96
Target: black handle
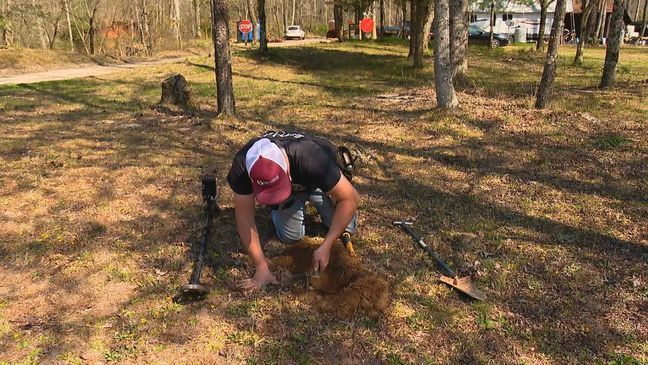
405,226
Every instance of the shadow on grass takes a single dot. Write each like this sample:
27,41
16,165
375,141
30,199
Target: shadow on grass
563,318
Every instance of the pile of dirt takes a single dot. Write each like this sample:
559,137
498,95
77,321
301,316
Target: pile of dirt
343,289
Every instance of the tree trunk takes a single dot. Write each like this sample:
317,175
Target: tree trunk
645,19
492,24
422,11
412,32
445,93
6,26
601,23
549,73
223,61
585,15
544,4
404,19
52,39
91,30
427,27
147,29
382,18
39,22
337,18
196,7
69,24
613,45
459,38
263,35
176,23
253,17
292,19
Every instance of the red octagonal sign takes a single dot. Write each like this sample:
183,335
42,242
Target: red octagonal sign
245,26
366,25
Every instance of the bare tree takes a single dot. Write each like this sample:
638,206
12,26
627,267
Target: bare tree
492,24
459,39
263,36
645,19
5,23
69,23
544,5
413,33
549,73
197,33
586,11
445,93
382,18
337,18
427,27
600,25
223,60
418,31
177,23
613,46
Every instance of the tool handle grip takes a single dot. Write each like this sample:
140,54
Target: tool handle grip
405,226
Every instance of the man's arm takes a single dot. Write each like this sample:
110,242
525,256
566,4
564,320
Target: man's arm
244,207
347,200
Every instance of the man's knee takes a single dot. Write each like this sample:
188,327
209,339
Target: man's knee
289,237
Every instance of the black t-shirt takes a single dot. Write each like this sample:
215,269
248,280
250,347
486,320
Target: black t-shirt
311,158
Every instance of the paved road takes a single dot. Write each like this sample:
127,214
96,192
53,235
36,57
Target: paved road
96,70
74,73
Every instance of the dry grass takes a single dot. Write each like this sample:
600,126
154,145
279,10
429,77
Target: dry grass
100,204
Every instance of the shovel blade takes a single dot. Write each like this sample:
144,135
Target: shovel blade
465,286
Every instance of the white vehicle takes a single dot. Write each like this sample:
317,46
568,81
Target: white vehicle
295,31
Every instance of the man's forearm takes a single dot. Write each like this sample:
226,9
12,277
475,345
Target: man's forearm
247,230
252,245
344,211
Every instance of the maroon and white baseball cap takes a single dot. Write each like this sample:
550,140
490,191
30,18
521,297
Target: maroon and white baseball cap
268,170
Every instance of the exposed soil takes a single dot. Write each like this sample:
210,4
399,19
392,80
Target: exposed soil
343,289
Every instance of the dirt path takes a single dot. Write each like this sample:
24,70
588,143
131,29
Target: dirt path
73,73
284,43
96,70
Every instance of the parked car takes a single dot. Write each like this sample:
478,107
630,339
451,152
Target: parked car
477,35
295,32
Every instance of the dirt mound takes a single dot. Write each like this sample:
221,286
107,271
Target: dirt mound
343,289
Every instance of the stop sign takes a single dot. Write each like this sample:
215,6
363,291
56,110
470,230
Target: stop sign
366,25
245,26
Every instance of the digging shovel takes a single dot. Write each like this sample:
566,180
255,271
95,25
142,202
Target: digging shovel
464,284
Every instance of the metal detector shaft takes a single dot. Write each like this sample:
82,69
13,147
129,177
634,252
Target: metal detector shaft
198,264
405,226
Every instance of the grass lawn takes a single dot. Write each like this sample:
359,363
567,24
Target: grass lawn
547,210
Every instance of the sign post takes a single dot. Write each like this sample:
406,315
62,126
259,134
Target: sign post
245,27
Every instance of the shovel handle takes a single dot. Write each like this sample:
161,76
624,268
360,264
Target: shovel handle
405,226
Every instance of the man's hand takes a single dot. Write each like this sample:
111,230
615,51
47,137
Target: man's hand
261,277
321,258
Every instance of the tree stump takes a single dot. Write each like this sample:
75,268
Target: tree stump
175,90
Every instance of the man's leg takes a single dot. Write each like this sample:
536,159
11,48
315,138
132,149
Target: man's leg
289,222
325,207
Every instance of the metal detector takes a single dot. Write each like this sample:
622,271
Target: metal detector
194,290
464,284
